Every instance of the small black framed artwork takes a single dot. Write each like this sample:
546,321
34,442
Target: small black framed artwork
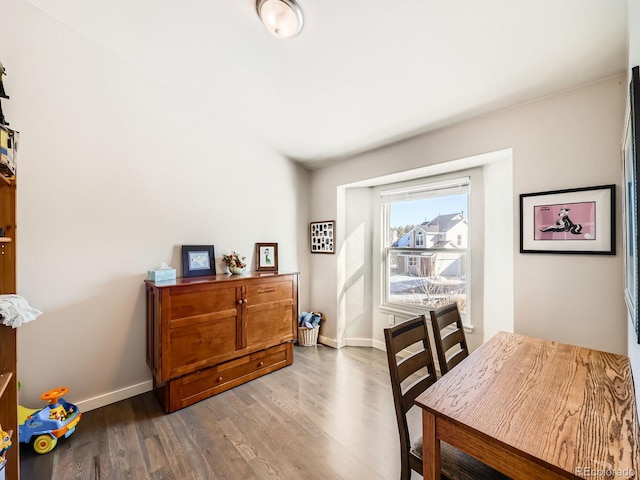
322,236
266,257
198,260
575,220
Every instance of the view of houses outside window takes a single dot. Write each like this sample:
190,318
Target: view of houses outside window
427,248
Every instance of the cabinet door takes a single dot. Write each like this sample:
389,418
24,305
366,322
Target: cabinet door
270,312
203,328
7,268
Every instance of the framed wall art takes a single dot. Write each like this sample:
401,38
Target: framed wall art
322,236
576,220
198,260
630,169
266,257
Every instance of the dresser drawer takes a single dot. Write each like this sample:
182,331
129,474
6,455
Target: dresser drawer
192,388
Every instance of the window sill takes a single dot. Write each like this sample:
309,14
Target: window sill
411,312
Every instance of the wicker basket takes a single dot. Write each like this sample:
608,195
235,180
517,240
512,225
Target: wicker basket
308,337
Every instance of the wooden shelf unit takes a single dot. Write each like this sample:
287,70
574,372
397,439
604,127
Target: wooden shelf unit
8,335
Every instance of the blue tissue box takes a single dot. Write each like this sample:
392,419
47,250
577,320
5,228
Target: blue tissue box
162,275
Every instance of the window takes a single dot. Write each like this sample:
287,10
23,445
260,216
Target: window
425,243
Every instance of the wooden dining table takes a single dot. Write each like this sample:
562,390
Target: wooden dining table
536,409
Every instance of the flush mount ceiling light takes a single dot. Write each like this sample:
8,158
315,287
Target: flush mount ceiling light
283,18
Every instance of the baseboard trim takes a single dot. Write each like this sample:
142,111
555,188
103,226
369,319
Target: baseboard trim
115,396
329,342
351,342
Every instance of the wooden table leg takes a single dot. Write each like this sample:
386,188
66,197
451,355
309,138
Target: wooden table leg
430,447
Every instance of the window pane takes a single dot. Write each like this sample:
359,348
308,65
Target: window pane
421,272
431,279
435,214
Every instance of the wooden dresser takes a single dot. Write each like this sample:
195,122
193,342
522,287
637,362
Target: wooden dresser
208,334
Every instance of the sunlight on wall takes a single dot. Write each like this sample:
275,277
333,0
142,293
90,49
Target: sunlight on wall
354,248
352,298
354,268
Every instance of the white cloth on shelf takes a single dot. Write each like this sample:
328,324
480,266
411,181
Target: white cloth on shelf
15,310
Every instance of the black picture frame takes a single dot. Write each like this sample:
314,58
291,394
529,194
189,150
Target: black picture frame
571,221
322,237
198,260
631,169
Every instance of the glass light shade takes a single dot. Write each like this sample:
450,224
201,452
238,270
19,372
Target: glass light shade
283,18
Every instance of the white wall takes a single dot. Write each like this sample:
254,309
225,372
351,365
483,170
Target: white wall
499,247
568,140
634,59
115,172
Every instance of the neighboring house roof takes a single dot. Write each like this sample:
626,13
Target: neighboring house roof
440,224
403,241
443,223
443,244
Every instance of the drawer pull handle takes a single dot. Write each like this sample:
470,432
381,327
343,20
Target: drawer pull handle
246,301
219,379
240,301
261,364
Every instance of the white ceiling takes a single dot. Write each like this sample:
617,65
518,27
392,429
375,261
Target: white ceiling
361,73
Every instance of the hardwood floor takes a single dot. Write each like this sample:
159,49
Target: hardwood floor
328,416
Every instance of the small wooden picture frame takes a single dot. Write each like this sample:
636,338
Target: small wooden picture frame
266,257
322,236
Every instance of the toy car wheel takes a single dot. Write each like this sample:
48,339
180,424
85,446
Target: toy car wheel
44,444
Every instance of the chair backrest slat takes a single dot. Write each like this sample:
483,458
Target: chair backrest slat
410,394
456,358
445,318
453,338
413,363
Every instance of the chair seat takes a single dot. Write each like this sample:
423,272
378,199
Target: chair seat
457,465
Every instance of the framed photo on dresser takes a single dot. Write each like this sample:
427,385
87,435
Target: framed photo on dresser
198,260
266,257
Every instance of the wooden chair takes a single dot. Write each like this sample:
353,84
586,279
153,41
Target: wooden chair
442,318
410,376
